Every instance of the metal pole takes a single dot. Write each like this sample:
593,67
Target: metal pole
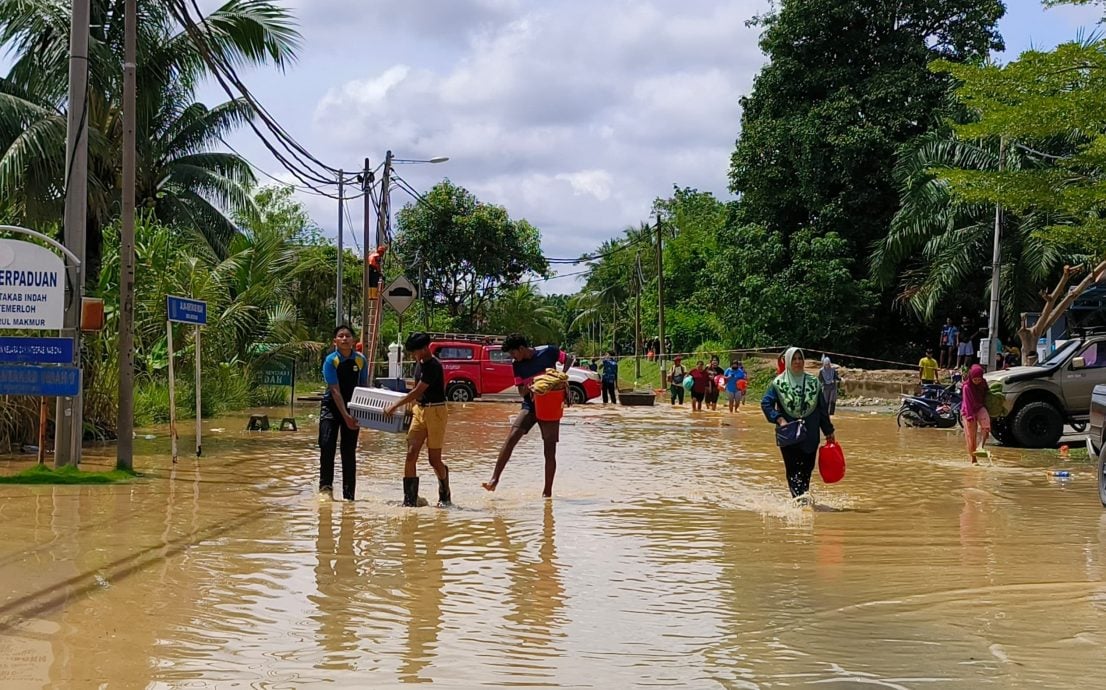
996,259
172,390
42,430
425,296
124,449
660,302
385,201
199,429
68,434
341,248
637,318
366,187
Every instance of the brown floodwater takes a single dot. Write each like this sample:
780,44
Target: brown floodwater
669,556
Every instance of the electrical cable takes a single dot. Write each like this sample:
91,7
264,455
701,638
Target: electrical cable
348,177
277,128
222,72
600,255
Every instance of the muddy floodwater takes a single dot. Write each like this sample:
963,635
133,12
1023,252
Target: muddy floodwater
670,556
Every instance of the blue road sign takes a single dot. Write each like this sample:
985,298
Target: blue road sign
185,310
50,382
37,350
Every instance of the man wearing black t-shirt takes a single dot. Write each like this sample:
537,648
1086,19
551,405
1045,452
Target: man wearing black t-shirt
428,425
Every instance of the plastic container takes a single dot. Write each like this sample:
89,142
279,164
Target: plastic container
549,407
367,407
831,463
742,385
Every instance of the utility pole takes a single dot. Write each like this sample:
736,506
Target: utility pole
996,259
69,423
660,301
366,189
425,295
637,317
341,249
385,208
124,449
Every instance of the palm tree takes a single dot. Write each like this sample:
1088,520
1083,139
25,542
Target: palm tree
940,245
182,176
594,305
523,310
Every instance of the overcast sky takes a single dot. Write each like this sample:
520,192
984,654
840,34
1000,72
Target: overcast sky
574,114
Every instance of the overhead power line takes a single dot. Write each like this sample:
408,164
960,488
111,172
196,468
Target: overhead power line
295,158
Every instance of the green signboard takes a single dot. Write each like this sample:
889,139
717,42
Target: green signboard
277,374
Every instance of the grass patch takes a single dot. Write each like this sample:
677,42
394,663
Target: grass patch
43,474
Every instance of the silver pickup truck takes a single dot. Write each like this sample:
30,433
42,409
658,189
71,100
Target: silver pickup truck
1096,441
1040,399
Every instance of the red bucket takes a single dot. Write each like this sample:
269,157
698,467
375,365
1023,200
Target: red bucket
549,407
831,463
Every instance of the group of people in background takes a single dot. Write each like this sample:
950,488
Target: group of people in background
708,384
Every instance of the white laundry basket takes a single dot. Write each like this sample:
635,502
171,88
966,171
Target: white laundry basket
367,407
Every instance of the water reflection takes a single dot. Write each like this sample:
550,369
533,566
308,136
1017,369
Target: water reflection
424,590
336,578
670,556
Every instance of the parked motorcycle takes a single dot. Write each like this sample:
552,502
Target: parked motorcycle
923,412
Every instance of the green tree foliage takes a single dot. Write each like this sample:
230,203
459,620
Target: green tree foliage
799,293
1048,106
472,251
846,85
524,310
253,294
182,176
940,245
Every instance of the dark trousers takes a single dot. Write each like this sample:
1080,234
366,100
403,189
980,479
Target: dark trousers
799,465
331,427
677,394
611,388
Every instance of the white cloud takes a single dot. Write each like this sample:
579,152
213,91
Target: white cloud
574,115
594,182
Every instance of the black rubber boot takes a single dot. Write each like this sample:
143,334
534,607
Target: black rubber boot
444,497
411,492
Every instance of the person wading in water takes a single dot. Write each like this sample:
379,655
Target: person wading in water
428,425
794,403
529,362
343,370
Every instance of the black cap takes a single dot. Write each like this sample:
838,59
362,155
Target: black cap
416,341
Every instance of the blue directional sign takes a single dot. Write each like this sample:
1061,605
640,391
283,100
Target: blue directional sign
49,382
185,310
37,350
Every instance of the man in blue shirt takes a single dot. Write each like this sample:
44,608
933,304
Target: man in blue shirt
610,378
343,370
735,373
529,362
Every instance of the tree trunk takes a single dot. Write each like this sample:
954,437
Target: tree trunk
1056,303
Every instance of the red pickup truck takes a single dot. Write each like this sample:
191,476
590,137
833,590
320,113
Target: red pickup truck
473,369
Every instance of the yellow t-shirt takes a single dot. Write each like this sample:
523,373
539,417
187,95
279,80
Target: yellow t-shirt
928,365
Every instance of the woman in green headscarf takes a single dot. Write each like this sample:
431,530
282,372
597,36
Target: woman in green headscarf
795,395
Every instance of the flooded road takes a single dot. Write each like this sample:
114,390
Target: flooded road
670,556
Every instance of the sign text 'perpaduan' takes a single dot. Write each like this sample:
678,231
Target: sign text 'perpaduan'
32,286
